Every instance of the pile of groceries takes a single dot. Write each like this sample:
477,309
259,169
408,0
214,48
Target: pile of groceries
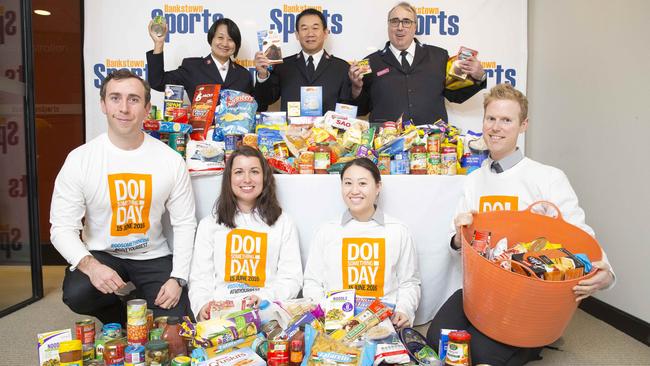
342,330
304,140
537,258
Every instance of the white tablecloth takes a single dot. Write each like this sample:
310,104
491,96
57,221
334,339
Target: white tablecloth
424,203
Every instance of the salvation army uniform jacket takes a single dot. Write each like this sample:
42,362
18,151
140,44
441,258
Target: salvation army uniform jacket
418,93
122,196
195,71
253,258
377,258
286,79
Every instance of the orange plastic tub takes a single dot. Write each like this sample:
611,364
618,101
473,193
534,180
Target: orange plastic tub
512,308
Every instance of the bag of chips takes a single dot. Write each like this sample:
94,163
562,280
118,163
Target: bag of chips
236,112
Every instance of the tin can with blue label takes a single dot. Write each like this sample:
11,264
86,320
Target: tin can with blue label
134,355
232,142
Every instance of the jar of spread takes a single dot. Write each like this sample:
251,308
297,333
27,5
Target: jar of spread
70,353
322,158
114,352
458,349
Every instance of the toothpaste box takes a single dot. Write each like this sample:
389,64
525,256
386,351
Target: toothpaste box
48,344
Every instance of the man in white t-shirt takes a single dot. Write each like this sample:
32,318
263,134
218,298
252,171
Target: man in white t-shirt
509,180
120,184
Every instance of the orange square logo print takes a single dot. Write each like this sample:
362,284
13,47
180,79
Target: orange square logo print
246,257
364,265
130,201
498,203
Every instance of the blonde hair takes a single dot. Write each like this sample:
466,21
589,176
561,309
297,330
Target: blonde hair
406,6
506,91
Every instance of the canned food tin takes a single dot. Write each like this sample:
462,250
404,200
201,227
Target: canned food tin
433,142
177,142
156,333
88,351
136,312
232,142
85,330
181,361
134,354
112,331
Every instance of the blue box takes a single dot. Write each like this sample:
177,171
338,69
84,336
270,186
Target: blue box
311,101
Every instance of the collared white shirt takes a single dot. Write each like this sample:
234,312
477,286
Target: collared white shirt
317,56
223,68
507,162
398,53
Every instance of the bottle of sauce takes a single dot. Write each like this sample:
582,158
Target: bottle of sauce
177,346
418,159
296,352
458,353
322,158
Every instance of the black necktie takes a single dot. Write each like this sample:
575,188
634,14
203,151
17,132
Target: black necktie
405,63
496,167
310,67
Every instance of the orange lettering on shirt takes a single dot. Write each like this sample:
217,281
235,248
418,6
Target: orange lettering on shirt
498,203
364,264
130,203
246,257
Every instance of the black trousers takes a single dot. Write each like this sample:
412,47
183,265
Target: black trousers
483,349
148,276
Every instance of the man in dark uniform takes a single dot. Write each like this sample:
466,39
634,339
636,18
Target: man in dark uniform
409,77
313,66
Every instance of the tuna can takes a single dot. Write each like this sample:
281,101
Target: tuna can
112,331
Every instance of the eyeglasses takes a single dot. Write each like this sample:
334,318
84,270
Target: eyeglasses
406,23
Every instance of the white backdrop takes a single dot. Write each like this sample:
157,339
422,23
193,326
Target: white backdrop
116,36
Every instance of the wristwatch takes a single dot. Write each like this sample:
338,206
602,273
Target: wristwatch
181,282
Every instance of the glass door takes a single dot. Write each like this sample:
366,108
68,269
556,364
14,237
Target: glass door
20,263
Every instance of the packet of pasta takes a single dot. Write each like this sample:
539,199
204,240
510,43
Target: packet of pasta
357,326
338,309
320,349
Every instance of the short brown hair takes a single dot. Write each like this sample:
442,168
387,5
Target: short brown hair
122,74
506,91
406,6
266,204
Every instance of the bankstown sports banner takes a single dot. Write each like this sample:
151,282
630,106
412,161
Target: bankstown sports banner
116,36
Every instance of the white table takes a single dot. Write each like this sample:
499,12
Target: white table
424,203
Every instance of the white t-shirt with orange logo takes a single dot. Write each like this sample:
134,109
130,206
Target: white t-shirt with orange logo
122,195
376,260
252,258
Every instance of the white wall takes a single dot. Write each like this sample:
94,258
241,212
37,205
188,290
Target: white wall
589,95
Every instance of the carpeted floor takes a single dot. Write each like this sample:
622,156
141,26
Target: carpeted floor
587,341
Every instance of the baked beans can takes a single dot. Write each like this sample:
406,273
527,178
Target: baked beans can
85,330
133,355
136,334
232,142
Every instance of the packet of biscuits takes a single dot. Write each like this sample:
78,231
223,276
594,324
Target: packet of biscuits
364,66
204,103
463,54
